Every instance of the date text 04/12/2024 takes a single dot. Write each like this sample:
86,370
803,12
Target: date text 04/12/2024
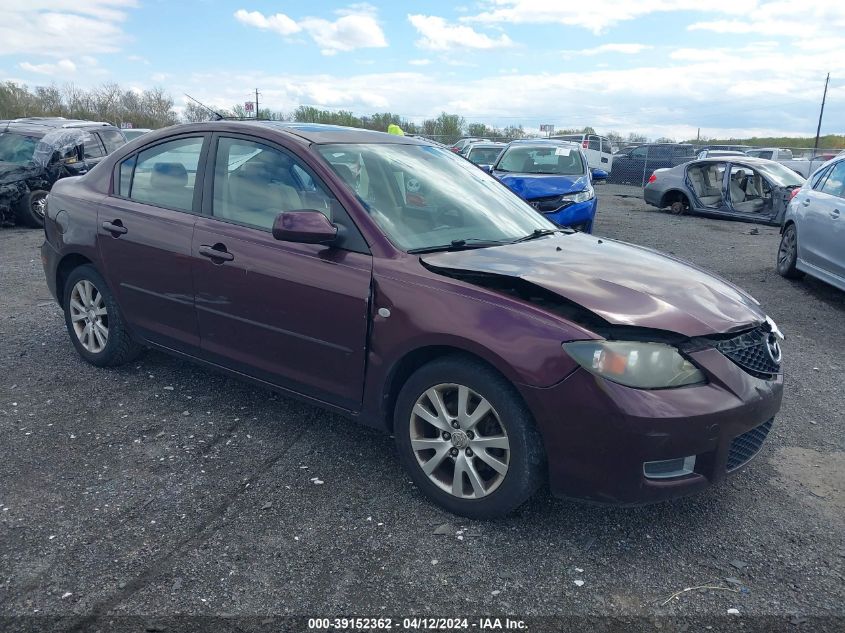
415,624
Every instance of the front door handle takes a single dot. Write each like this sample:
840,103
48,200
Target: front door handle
217,253
806,202
116,228
834,214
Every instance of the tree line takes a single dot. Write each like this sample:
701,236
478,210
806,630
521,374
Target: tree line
155,108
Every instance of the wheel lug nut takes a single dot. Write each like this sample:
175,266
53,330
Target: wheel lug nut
455,424
471,435
469,452
453,452
447,436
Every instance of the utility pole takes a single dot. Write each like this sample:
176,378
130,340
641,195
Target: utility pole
256,103
821,113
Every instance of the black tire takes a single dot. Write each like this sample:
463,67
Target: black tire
525,456
118,348
29,210
788,254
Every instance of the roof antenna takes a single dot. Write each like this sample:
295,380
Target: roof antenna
219,116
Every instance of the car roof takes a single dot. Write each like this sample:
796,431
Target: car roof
554,142
39,126
487,144
317,133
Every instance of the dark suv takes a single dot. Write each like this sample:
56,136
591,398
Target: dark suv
35,152
639,163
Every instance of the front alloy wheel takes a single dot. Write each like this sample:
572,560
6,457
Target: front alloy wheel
466,438
459,441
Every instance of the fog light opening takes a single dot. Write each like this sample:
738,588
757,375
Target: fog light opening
669,468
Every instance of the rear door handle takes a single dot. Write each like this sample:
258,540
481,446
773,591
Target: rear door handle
216,252
116,228
834,214
806,202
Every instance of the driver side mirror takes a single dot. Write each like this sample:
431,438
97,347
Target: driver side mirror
599,174
306,226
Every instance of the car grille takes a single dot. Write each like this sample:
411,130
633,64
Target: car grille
747,445
756,351
549,204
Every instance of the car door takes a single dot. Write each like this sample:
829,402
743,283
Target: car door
144,239
821,231
295,315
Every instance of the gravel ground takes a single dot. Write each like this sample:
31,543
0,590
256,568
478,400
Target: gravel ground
160,488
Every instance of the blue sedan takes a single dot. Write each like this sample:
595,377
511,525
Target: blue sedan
553,177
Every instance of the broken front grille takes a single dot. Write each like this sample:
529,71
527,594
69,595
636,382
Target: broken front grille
756,351
747,445
549,203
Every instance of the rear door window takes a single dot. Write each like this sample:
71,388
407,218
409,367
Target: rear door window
165,175
93,147
112,139
594,142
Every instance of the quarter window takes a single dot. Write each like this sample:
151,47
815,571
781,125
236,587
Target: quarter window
254,183
165,175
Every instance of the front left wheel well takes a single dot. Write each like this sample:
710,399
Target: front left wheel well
410,363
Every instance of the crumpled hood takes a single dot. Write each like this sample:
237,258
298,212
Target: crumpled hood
11,173
622,283
530,186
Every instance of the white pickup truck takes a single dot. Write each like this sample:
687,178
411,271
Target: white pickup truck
803,166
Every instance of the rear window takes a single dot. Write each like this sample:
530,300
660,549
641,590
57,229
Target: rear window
594,142
112,139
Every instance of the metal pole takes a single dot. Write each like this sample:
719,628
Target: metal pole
256,103
821,113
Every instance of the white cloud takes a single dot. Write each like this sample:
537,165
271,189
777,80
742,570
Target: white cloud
419,62
280,23
63,66
626,49
53,28
356,27
596,15
437,34
346,33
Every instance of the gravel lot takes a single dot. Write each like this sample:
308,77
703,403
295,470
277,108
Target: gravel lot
160,488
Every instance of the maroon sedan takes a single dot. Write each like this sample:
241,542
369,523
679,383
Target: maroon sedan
396,283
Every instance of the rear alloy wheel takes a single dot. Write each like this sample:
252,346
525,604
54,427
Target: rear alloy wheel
94,321
788,254
466,438
32,208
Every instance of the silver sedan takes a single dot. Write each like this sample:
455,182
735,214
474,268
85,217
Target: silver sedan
813,232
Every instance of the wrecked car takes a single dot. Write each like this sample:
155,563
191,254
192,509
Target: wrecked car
740,187
35,152
396,284
554,177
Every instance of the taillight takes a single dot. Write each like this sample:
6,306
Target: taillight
585,144
794,192
652,178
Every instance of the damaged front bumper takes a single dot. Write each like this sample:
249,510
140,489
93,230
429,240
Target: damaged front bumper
578,215
601,438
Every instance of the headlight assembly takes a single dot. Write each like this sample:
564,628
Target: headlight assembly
581,196
635,364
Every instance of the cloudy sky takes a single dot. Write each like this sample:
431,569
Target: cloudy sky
661,67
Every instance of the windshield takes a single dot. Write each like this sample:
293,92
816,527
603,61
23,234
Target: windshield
17,148
484,155
425,197
542,159
781,175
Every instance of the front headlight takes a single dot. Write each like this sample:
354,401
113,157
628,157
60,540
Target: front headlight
581,196
634,364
